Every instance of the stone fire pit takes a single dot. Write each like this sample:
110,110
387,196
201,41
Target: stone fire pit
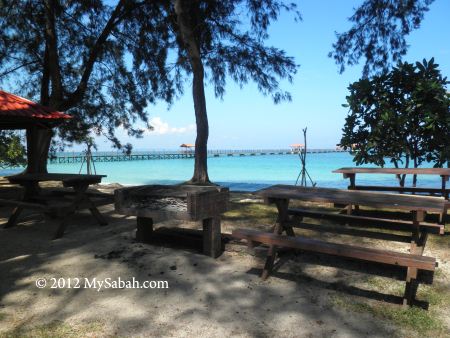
156,203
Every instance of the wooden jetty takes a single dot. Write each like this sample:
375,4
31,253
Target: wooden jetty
172,155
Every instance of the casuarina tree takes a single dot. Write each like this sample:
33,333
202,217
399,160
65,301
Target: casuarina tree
104,62
378,33
71,56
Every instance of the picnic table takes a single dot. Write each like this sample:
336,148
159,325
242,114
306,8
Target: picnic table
444,173
280,195
57,203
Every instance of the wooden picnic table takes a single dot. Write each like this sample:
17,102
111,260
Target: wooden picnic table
56,203
280,195
444,173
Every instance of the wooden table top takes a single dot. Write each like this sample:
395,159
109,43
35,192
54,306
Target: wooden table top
61,177
367,198
396,171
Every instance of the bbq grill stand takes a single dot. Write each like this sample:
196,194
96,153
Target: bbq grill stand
156,203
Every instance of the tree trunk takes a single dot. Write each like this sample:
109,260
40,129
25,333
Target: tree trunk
402,182
38,145
201,119
415,176
52,91
185,23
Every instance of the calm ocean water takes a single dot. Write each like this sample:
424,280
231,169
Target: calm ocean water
239,173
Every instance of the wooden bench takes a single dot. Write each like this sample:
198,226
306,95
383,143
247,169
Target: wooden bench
62,204
412,262
355,220
444,174
420,190
418,206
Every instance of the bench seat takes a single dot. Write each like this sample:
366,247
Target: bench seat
344,250
399,189
412,262
433,228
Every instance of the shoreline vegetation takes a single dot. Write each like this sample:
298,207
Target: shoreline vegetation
327,287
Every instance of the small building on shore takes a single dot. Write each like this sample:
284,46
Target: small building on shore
187,147
296,148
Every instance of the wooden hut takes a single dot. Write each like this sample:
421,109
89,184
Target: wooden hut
187,147
296,148
19,113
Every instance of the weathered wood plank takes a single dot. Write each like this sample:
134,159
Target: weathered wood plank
343,250
371,221
367,198
212,237
399,189
395,171
68,179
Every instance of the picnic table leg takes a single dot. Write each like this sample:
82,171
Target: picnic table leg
12,221
418,241
30,190
444,191
443,216
349,209
419,237
352,178
62,226
411,287
352,186
283,217
81,196
282,206
144,229
97,215
212,237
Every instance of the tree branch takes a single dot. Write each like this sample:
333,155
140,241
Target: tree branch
51,45
77,95
12,70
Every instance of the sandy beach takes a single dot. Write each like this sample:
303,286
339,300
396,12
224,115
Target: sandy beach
205,297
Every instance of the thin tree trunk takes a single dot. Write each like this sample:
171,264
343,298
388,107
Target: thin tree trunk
416,150
402,181
415,176
198,92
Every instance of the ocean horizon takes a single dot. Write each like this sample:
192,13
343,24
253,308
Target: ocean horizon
239,173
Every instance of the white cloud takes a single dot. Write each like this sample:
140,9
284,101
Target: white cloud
162,128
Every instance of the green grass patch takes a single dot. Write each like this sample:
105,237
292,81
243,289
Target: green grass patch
440,242
416,319
55,329
3,316
250,211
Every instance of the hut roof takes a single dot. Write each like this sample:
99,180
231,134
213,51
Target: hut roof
16,111
297,145
187,145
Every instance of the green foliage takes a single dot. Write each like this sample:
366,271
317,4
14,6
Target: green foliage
104,62
378,33
70,55
402,115
231,36
12,151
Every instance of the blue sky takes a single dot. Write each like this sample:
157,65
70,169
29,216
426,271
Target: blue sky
246,119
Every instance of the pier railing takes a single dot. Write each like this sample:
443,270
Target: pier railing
173,154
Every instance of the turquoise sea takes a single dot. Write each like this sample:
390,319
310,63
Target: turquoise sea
239,173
